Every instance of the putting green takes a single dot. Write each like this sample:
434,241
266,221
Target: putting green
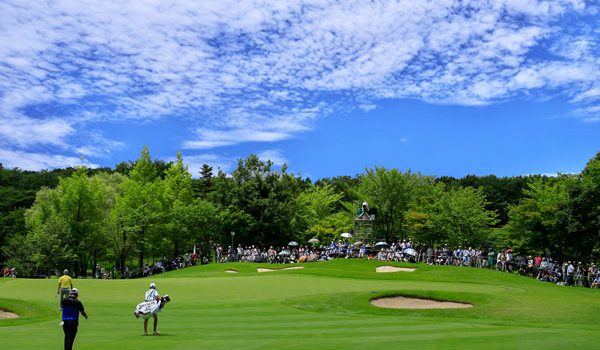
325,306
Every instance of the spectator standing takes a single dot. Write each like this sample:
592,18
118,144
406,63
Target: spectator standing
71,307
219,254
596,282
491,262
591,273
65,285
501,260
508,262
537,261
194,257
570,272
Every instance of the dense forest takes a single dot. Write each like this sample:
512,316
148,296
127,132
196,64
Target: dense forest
147,208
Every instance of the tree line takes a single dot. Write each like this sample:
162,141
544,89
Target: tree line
77,217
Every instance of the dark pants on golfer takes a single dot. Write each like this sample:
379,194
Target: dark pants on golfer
64,293
70,329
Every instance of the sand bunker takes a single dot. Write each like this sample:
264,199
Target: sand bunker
231,271
6,314
260,269
414,303
394,269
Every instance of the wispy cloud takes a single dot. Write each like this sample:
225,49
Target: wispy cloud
274,155
219,138
218,162
21,131
264,71
94,144
40,161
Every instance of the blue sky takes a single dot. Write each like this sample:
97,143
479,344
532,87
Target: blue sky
441,87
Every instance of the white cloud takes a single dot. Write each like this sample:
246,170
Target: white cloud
213,139
587,95
264,71
225,163
94,144
23,131
217,161
40,161
589,113
274,155
367,107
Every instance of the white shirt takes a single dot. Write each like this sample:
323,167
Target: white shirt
151,295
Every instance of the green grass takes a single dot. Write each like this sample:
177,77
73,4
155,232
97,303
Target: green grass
324,306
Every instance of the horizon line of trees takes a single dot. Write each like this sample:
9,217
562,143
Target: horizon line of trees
77,217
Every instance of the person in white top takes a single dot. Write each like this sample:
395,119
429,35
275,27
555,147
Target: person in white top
151,295
570,271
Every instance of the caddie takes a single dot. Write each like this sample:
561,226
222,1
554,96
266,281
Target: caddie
151,295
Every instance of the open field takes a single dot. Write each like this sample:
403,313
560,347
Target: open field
323,306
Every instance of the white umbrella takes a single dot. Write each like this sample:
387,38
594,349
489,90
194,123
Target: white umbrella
381,244
410,251
293,244
357,243
313,241
346,235
284,252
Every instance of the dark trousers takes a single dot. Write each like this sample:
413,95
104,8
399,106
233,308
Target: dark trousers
64,293
70,329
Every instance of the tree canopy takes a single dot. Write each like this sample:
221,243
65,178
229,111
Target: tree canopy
74,218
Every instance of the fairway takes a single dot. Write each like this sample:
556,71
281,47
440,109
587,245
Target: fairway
323,306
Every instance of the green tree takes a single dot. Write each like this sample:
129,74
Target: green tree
76,203
346,186
390,193
330,227
317,212
178,182
501,193
110,237
178,197
418,219
539,222
459,216
583,231
204,184
49,252
139,209
18,251
124,168
80,205
260,200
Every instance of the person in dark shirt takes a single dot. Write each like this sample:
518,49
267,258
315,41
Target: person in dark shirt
71,308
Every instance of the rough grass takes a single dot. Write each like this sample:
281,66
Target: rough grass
325,306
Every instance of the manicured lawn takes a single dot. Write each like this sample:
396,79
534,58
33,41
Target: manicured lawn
324,306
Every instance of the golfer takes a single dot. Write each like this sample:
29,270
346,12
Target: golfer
71,307
151,295
65,284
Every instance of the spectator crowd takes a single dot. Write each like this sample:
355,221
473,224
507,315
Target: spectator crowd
542,268
8,271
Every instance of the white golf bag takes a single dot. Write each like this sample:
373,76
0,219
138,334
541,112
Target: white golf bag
149,308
